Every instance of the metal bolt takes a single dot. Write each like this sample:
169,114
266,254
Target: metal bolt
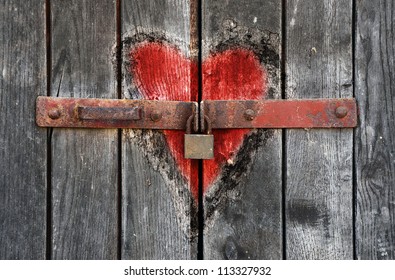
54,113
341,112
249,114
156,116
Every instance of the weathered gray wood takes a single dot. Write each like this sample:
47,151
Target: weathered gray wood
84,162
242,207
319,162
22,143
375,136
159,215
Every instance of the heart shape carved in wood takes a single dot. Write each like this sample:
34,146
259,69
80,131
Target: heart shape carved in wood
161,72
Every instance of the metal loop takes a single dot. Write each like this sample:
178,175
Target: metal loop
190,121
189,124
207,120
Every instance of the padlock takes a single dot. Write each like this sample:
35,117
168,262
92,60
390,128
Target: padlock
198,146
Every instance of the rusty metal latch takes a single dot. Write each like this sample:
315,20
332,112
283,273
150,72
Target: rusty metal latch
113,113
180,115
222,114
303,113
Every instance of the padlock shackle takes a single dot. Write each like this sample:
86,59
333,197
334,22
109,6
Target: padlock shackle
189,124
190,121
208,121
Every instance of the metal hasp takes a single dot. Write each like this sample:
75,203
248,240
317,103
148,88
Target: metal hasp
180,115
113,113
303,113
223,114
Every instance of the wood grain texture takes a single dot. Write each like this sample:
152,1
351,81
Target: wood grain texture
319,162
22,144
375,136
84,162
242,185
159,214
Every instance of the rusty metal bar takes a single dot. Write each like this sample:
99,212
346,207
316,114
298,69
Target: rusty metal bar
113,113
223,114
99,113
305,113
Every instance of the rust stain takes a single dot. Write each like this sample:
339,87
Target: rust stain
307,113
112,113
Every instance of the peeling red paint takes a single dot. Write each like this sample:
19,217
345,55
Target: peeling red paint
161,72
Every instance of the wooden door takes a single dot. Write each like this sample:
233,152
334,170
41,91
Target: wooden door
130,194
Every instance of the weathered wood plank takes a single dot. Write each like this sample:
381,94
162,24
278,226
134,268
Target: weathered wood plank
84,162
242,185
159,187
22,144
319,162
375,136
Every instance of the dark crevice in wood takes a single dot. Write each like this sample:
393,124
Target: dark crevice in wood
49,195
60,83
284,187
119,151
354,177
48,43
119,47
283,47
119,206
48,252
200,243
284,132
199,34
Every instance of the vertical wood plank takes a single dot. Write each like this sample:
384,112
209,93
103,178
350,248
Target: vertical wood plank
84,162
159,187
23,145
319,162
375,136
242,186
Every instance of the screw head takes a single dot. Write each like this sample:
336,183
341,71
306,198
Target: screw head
341,112
249,114
156,116
54,113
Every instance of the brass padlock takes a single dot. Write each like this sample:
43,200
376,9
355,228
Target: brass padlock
198,146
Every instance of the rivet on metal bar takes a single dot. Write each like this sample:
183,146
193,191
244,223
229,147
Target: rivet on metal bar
302,113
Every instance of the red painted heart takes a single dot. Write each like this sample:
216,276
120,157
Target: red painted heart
161,72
